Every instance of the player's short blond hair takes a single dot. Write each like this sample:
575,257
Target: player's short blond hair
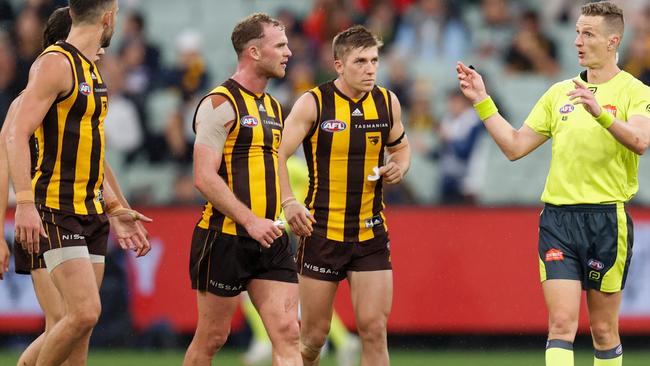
611,13
356,36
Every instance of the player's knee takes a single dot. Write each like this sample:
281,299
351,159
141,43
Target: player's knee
310,351
604,334
373,329
313,340
215,343
289,331
563,324
213,340
84,319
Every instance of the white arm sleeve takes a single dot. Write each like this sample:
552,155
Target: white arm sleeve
211,123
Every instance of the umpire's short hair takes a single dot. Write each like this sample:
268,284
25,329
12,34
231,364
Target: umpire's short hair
611,13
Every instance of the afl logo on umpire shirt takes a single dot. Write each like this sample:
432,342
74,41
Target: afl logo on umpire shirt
249,121
84,88
333,125
567,108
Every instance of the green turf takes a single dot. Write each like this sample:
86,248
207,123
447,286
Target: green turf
398,358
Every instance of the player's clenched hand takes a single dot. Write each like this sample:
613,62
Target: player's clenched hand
29,227
4,257
391,173
263,230
299,218
471,83
582,95
128,233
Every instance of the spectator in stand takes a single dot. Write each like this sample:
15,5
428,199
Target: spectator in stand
400,6
458,131
382,19
9,86
122,125
492,36
141,60
559,11
189,76
431,31
6,15
420,116
530,50
399,79
327,18
325,71
178,132
134,29
28,31
638,57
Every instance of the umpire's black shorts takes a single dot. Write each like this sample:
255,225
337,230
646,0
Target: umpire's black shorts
588,243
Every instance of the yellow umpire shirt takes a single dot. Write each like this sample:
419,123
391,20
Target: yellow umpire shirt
588,165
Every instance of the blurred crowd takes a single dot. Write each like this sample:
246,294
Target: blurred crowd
434,34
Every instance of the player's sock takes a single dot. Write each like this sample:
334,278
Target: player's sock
559,353
610,357
255,322
338,332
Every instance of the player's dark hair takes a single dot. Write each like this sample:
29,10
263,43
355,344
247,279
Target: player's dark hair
250,28
88,11
612,14
356,36
57,26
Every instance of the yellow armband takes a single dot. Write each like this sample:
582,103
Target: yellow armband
486,108
605,119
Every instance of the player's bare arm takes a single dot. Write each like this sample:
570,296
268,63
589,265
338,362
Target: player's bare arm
213,112
399,151
515,144
633,134
296,127
4,193
45,85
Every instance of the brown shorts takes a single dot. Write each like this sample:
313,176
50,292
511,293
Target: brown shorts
329,260
25,262
64,230
224,264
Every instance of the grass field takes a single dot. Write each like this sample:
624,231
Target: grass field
398,358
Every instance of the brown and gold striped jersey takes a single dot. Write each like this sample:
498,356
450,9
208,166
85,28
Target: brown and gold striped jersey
70,142
250,157
345,143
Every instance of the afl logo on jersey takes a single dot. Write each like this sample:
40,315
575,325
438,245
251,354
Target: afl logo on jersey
84,88
249,121
567,108
333,125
